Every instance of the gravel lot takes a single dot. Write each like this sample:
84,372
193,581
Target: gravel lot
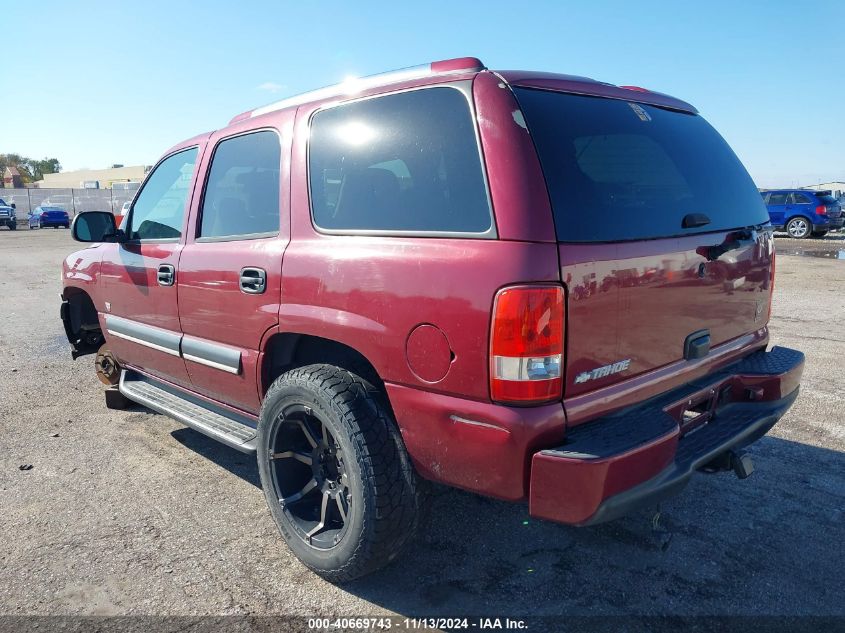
131,513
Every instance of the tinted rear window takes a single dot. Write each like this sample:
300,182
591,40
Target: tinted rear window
826,199
402,162
619,170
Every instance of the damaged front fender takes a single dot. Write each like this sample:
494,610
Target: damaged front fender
82,326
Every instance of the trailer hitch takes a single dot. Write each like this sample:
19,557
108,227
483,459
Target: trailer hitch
739,462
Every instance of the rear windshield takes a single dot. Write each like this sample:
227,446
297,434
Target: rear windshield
825,198
619,170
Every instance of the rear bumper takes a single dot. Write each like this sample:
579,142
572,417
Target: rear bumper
636,457
831,224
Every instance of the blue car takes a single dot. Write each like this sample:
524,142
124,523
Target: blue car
802,213
42,217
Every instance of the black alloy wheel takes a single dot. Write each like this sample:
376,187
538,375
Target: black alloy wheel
308,469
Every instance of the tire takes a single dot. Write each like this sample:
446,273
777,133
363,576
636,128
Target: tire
13,226
819,233
328,446
799,227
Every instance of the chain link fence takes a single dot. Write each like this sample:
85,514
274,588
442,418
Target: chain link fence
71,200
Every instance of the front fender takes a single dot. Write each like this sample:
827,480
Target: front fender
80,300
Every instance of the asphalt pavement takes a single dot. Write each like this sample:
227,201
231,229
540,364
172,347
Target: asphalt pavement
129,512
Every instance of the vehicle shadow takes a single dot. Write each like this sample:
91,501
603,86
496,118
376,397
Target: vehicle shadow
237,463
768,544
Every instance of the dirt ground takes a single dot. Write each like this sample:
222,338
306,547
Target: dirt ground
131,513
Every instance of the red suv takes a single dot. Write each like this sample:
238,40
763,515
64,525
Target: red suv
531,286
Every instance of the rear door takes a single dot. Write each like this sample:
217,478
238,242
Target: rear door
230,270
777,207
661,234
138,276
800,204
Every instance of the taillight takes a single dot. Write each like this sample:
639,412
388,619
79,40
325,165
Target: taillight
526,344
821,210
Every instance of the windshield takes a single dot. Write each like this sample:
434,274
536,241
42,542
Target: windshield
619,170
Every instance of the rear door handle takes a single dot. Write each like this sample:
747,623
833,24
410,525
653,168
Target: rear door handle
253,280
166,275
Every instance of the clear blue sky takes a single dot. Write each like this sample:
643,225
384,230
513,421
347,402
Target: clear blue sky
95,83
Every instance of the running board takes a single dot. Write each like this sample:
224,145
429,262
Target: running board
224,426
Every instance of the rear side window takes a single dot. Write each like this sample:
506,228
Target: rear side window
403,162
242,191
799,198
619,170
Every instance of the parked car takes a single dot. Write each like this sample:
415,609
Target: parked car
803,213
8,216
405,283
44,217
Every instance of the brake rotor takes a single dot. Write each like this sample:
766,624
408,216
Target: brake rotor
108,369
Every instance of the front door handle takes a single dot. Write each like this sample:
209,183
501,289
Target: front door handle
166,275
253,280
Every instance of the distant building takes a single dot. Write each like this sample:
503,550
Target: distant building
92,178
837,187
12,178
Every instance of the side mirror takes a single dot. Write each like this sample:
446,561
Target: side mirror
13,205
95,226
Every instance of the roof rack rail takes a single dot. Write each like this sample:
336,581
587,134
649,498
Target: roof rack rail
357,84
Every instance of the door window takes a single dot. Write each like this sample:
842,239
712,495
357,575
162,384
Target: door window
798,198
777,198
242,192
159,210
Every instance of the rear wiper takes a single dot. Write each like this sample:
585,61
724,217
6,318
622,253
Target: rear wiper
712,253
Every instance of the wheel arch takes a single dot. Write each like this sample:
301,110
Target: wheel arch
799,216
81,322
284,351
